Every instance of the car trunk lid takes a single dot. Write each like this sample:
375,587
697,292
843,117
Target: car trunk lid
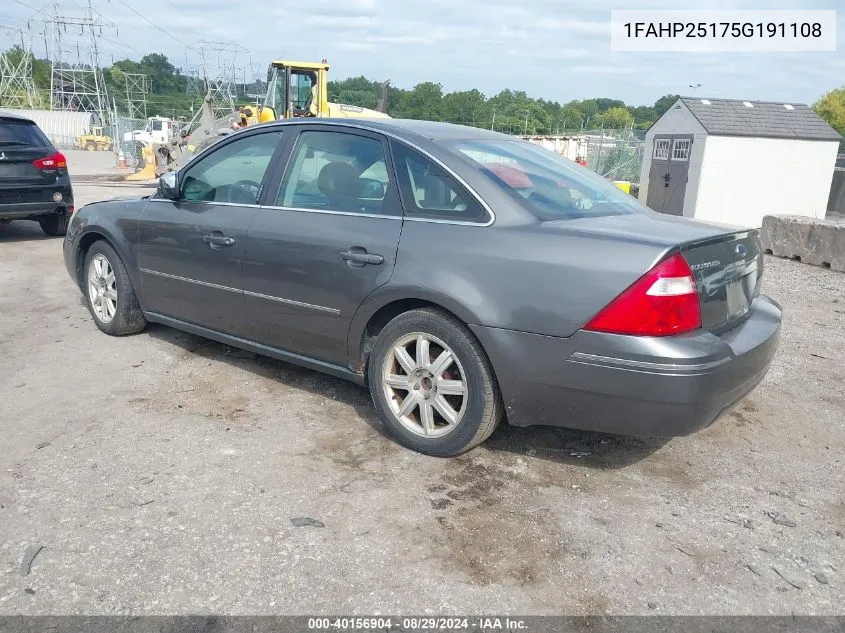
726,260
727,270
17,166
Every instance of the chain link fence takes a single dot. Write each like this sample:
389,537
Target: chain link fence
131,149
615,154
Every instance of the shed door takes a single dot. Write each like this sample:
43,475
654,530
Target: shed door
667,180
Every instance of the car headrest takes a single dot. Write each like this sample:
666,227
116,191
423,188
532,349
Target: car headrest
338,178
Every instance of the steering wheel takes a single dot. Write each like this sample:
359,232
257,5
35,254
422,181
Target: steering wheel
243,192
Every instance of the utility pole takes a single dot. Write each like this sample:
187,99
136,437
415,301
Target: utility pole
78,86
220,77
694,88
492,125
17,89
136,95
525,129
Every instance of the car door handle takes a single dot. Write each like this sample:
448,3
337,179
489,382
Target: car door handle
218,241
357,257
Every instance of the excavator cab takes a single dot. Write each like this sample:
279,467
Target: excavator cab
295,89
300,89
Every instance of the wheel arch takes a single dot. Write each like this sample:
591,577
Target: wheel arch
84,244
375,313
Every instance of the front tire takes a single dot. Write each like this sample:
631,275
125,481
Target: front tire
432,384
54,225
109,293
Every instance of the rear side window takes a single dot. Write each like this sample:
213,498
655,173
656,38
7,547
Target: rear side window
21,133
428,191
546,184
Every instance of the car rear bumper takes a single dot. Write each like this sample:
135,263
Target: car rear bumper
24,210
631,385
26,201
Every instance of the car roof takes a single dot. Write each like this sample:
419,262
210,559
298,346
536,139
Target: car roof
11,116
408,128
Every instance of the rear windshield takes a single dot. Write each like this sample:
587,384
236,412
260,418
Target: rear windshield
548,185
21,133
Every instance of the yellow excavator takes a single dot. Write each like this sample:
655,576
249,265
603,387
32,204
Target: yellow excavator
300,89
294,89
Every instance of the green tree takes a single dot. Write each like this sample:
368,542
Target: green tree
616,117
831,107
663,104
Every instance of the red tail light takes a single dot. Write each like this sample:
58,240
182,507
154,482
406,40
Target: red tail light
662,302
53,161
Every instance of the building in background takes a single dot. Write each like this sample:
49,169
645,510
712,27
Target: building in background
736,161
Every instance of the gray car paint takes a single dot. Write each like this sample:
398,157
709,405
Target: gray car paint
515,282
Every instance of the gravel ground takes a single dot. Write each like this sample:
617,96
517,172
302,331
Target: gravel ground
160,473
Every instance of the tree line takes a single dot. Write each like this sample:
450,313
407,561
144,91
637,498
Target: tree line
509,111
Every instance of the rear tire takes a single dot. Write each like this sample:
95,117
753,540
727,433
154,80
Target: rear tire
54,225
439,396
109,293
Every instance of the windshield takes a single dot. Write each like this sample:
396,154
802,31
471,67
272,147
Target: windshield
548,185
275,97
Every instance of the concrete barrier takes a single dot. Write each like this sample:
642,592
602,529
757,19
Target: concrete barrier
817,242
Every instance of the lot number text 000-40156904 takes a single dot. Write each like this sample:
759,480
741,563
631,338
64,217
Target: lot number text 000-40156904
709,30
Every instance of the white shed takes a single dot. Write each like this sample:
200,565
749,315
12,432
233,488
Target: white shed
736,161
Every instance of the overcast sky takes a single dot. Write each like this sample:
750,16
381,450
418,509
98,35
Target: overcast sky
555,49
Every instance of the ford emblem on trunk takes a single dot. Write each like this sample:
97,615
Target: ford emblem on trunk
741,250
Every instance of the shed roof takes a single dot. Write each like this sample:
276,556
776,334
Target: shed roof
732,117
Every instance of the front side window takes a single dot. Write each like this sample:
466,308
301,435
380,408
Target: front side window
548,185
336,171
430,192
233,173
156,126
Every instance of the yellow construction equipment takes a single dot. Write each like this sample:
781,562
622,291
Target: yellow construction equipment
95,141
294,89
300,89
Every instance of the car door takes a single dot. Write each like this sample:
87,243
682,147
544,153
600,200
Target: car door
326,241
191,249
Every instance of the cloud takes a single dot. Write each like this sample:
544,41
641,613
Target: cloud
598,69
555,49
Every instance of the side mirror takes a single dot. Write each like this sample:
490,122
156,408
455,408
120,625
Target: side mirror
168,187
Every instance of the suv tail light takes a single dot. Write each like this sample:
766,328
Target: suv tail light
53,161
662,302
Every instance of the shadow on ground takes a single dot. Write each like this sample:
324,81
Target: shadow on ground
559,445
22,231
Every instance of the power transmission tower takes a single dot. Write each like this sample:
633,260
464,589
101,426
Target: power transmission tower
218,64
17,89
136,95
194,83
76,80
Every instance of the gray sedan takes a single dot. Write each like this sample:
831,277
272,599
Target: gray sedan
464,276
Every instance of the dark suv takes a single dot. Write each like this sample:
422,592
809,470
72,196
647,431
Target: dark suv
34,182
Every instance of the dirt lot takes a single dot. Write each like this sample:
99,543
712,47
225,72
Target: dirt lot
160,473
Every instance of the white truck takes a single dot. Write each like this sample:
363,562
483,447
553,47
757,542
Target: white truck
158,129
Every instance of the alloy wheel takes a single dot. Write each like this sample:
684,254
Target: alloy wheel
425,385
102,289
